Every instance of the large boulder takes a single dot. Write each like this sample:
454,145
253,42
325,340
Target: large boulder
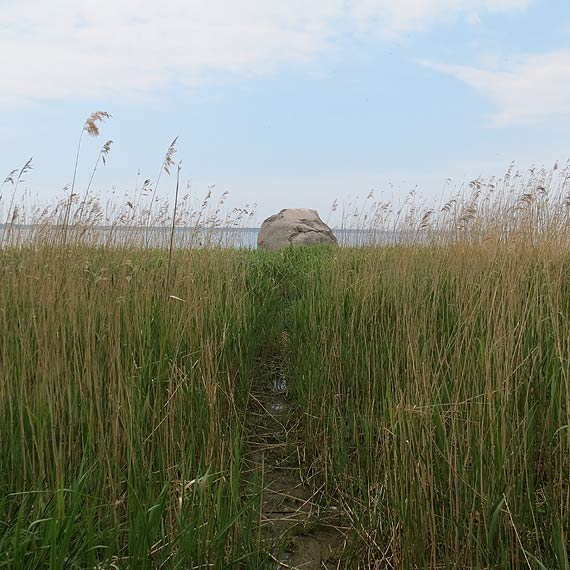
297,226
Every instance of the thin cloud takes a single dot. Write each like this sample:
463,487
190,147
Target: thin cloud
533,88
395,16
92,48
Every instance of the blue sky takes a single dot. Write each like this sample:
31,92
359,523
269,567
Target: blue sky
291,104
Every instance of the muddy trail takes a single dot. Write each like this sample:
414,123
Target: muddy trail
299,530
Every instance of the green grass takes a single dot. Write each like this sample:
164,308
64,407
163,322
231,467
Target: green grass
432,383
435,382
121,406
431,379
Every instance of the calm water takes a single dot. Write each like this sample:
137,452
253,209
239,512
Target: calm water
184,237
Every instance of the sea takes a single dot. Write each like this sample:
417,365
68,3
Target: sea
184,237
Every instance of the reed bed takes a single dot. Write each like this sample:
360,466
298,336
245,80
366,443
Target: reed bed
434,385
121,403
429,365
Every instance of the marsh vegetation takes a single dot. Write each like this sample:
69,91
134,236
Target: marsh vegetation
418,392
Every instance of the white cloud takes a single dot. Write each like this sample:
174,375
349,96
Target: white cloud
76,48
533,88
403,15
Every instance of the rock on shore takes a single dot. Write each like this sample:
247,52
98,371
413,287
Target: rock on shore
294,226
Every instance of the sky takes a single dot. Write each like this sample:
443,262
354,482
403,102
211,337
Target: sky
284,103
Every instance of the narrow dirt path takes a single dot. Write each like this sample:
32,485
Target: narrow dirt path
300,532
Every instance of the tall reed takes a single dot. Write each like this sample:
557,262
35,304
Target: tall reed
435,387
429,366
121,410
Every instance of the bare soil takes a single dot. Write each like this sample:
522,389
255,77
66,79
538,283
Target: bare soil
301,532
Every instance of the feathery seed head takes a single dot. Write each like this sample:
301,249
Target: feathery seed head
90,125
168,162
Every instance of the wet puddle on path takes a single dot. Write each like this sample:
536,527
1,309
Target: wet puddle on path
301,534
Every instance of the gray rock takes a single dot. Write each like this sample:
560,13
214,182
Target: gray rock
294,227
